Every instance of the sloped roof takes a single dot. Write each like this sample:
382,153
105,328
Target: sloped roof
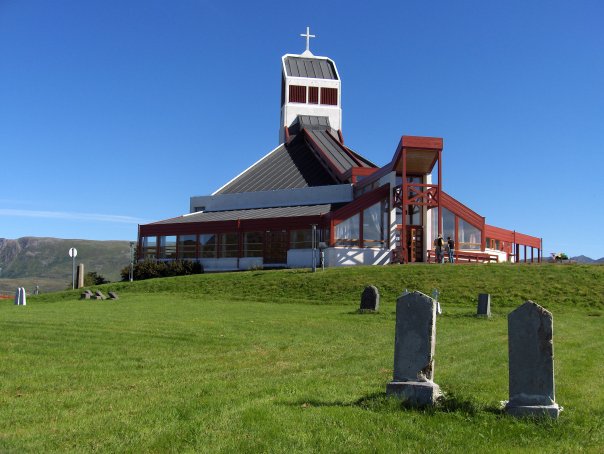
257,213
292,166
314,157
314,68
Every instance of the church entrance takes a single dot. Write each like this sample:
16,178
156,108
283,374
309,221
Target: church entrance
275,247
415,243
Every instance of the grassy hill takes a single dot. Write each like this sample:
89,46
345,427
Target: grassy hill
280,361
31,261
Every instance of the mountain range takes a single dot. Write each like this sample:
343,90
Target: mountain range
30,261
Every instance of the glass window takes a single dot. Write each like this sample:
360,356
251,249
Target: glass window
448,224
253,244
187,246
207,246
300,239
469,236
347,232
375,221
149,247
229,246
167,247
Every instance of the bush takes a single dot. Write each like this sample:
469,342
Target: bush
150,269
93,278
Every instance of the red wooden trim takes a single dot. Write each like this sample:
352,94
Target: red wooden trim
422,142
461,210
497,233
341,136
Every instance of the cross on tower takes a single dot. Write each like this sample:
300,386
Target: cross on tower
308,36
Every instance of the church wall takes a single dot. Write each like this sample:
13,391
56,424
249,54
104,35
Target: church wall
269,199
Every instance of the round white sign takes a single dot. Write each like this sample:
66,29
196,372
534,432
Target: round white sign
73,252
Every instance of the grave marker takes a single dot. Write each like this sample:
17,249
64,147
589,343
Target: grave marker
531,362
484,305
370,299
415,337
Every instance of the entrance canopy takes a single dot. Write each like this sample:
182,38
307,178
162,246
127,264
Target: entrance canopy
419,157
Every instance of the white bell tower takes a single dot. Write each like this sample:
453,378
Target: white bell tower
310,86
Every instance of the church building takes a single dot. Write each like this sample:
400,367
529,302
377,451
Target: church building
313,198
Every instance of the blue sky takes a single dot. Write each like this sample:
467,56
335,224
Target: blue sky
114,113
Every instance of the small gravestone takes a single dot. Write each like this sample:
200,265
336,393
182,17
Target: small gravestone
99,295
113,296
20,297
415,337
86,295
531,362
484,305
370,299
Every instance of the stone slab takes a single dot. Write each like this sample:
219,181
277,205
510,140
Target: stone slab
533,411
113,296
415,393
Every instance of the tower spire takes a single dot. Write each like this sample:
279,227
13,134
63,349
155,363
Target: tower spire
307,36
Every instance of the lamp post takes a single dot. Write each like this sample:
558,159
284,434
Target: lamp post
131,261
314,247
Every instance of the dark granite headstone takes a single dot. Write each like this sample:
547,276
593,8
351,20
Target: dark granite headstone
484,305
370,299
531,362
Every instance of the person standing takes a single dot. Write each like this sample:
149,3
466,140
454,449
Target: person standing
451,247
439,243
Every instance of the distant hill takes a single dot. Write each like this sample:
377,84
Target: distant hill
585,259
46,260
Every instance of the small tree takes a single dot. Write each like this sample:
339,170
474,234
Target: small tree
150,269
93,278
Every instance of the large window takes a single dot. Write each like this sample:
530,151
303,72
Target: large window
229,246
187,246
469,236
347,232
253,244
208,246
297,93
300,239
375,225
167,247
149,247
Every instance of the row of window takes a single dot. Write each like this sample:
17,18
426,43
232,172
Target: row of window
375,228
313,95
468,237
214,245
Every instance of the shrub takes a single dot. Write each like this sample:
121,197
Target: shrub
150,269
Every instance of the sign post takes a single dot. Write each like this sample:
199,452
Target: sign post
73,252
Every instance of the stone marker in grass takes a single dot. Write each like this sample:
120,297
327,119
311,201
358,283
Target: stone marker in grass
20,297
113,296
99,295
370,299
484,305
531,362
86,295
415,337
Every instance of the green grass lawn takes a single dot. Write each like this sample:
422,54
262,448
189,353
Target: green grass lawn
281,361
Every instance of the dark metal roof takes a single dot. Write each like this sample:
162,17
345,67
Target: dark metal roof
315,68
257,213
294,166
341,160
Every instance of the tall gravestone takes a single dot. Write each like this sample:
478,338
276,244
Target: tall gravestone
415,337
80,276
20,297
370,299
484,305
531,362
